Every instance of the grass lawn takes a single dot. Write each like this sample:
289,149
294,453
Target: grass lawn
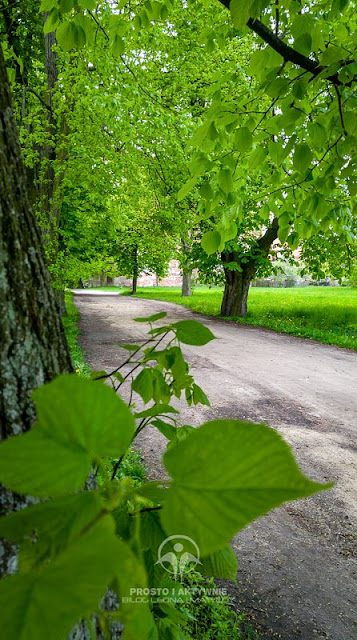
326,314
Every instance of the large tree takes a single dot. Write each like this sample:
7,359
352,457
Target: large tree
33,349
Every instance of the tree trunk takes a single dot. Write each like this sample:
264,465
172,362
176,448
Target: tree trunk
236,291
34,348
135,271
237,284
186,284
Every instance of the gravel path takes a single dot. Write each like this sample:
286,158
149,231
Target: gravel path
297,568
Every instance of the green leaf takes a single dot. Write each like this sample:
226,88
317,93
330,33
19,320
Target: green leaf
78,421
49,527
225,180
143,385
303,44
79,412
80,37
47,5
22,457
199,396
230,473
293,240
283,233
257,158
66,35
240,12
66,5
187,187
156,410
221,564
211,241
118,46
130,347
192,332
52,21
332,54
153,318
88,4
317,134
277,87
302,157
48,603
243,139
167,430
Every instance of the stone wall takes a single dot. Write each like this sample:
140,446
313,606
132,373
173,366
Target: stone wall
173,279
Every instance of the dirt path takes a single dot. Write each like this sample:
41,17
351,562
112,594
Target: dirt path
297,572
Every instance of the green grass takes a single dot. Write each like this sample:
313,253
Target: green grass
71,328
326,314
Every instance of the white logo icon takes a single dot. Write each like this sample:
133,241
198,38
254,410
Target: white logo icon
179,554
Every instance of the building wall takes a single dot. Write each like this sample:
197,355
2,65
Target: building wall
173,279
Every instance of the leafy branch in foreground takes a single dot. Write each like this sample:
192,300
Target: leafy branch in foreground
76,544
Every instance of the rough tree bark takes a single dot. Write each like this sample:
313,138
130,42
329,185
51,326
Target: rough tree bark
135,271
186,269
235,296
186,284
33,345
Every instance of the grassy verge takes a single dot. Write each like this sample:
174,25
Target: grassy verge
71,328
328,315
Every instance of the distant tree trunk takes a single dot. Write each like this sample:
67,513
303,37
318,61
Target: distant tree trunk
186,284
103,279
235,296
33,345
135,271
186,268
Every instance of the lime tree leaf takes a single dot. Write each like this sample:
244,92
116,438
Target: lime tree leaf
243,139
199,396
130,347
211,241
230,473
47,5
156,410
118,46
220,564
153,318
302,157
52,20
88,4
78,421
66,5
240,11
46,529
79,412
66,35
303,44
36,464
283,233
192,332
187,187
48,603
137,619
167,430
143,385
80,37
59,518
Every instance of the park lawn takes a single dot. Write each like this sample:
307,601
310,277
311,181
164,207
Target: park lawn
326,314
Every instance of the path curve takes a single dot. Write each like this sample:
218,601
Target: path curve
297,568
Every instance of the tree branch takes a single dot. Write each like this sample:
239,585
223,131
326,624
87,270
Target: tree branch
288,53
